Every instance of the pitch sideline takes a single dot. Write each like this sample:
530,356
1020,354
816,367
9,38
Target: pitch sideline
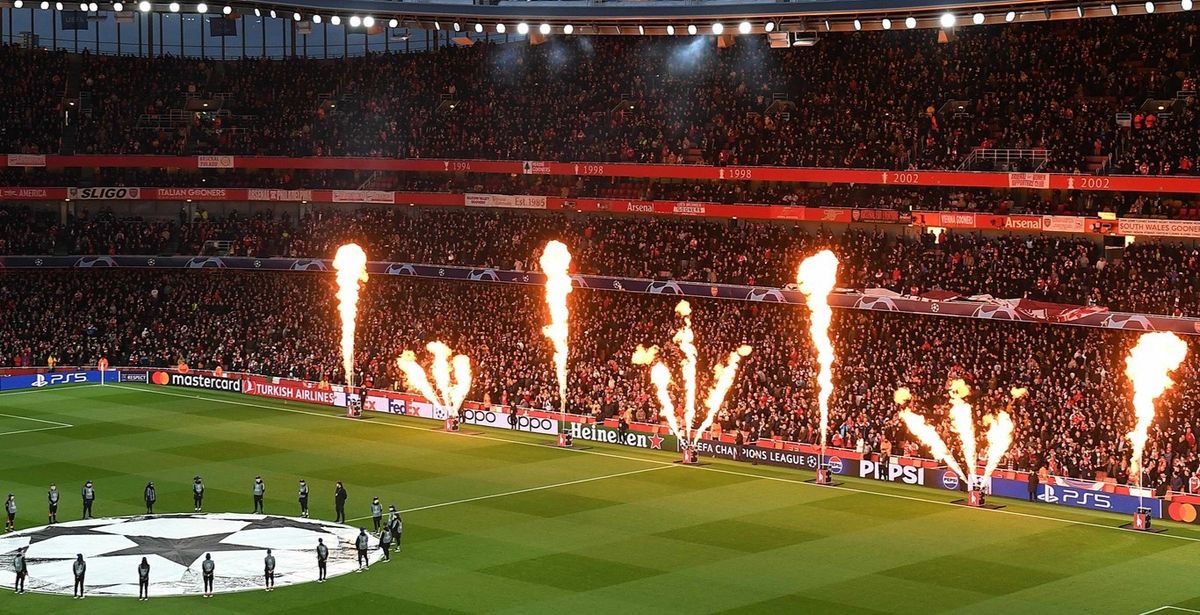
1002,511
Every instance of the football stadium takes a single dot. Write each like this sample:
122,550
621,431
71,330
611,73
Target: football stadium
600,306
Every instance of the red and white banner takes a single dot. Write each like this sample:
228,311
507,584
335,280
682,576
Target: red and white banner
1023,223
534,167
214,162
504,201
287,196
1064,224
1158,228
198,194
363,196
32,194
945,219
291,390
1029,180
26,160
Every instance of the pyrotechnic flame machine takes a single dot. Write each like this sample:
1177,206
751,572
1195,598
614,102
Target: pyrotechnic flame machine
451,376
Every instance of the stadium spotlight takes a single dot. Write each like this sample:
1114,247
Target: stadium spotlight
857,25
1113,8
202,8
1186,5
769,27
977,19
522,28
910,22
272,13
143,6
368,22
437,25
296,17
93,7
692,29
316,18
392,23
544,29
1149,7
718,28
1009,16
1079,11
457,26
227,10
18,4
744,27
641,29
45,4
173,7
670,30
501,28
355,21
886,23
83,6
827,28
478,28
335,20
947,20
568,29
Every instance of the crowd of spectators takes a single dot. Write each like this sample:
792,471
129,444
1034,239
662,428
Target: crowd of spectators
31,107
1145,277
862,99
284,324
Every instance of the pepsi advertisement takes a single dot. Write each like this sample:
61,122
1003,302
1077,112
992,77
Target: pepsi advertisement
49,379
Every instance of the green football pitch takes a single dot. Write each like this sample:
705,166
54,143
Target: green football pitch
498,522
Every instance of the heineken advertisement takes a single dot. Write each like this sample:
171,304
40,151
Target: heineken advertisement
607,435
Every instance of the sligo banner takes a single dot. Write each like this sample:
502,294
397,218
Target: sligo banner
49,379
105,194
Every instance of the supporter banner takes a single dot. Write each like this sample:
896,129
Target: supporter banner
965,179
106,194
26,160
1029,180
291,390
1023,223
140,376
363,196
944,219
886,216
1064,224
197,381
607,435
32,194
1158,228
776,457
191,194
504,201
994,310
292,196
49,379
214,162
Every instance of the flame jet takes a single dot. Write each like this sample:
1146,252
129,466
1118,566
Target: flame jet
351,266
449,390
1148,367
817,276
555,262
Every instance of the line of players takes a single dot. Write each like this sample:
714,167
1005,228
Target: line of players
393,531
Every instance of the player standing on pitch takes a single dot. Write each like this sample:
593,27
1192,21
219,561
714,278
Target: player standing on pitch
322,556
10,507
52,498
303,499
208,568
151,496
269,571
361,543
385,543
89,497
79,568
259,490
21,570
376,513
144,580
197,494
339,502
396,524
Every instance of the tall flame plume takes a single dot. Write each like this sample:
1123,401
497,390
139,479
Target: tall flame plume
964,423
555,262
450,388
688,431
351,266
817,277
1148,366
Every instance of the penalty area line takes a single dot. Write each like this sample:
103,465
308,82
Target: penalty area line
1002,511
527,490
56,424
1169,608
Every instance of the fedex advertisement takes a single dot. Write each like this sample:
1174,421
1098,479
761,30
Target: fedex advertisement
50,379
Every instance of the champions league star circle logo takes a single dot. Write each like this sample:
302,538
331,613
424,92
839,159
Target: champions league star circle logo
174,545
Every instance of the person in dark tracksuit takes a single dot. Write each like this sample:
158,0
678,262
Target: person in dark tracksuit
1032,483
339,502
151,496
385,544
144,580
208,568
376,513
269,571
52,500
322,557
361,544
10,509
79,568
89,498
396,525
21,569
258,490
197,494
303,499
